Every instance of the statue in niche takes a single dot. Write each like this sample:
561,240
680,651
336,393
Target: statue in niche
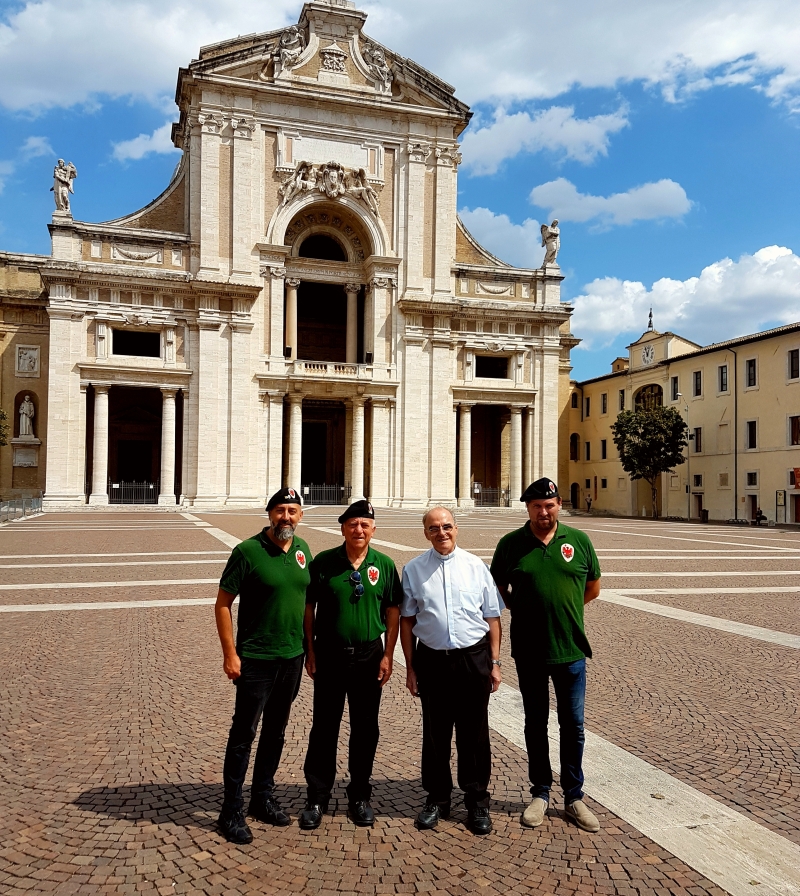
361,188
26,414
63,175
291,46
376,63
551,240
302,180
332,180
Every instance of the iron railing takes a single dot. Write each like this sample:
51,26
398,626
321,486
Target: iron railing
133,492
16,507
326,494
490,497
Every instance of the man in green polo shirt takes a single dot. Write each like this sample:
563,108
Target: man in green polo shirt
270,574
547,572
353,599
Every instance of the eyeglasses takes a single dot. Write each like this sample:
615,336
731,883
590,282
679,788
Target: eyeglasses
355,581
447,527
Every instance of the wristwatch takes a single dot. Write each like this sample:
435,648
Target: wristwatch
496,663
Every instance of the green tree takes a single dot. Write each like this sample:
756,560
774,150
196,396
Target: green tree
650,442
3,427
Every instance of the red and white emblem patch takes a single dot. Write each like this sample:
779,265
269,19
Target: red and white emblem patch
373,574
567,552
292,493
301,559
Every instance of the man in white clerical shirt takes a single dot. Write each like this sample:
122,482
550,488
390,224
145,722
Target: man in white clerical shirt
450,632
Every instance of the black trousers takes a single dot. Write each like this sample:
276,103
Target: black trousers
264,691
454,688
353,675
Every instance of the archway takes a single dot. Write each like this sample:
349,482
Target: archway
649,397
575,495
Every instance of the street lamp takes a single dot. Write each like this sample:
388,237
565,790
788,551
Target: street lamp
688,456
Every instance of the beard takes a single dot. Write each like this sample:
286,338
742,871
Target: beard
284,531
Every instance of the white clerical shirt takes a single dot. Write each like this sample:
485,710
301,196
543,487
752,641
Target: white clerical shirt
452,595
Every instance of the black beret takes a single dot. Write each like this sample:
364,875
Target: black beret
540,490
362,509
284,495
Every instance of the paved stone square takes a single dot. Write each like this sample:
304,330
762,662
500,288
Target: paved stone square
114,715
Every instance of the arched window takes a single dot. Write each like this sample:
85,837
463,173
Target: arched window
649,397
322,246
574,442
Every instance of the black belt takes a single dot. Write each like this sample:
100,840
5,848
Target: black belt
448,651
349,649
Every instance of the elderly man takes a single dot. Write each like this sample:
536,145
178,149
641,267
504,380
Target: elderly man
452,608
546,573
269,572
354,598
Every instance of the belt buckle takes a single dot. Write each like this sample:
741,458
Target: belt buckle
350,650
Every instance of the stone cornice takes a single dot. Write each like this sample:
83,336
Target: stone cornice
490,309
492,272
132,234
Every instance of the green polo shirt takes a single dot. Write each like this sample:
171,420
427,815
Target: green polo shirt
271,585
547,583
342,618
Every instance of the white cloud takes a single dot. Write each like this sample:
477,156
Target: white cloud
6,169
517,244
728,299
34,147
555,129
145,144
59,54
662,199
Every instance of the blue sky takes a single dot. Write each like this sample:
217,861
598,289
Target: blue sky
666,145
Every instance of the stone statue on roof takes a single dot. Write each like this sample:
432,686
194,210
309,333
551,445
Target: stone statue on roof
63,175
551,240
291,46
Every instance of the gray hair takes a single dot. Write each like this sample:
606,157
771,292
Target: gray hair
437,507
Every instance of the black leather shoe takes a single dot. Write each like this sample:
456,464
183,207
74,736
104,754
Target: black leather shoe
269,811
311,816
234,828
478,820
431,812
361,813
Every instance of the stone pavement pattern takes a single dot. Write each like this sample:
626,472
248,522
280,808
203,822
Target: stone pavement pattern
114,722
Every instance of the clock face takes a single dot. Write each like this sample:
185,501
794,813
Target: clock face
648,354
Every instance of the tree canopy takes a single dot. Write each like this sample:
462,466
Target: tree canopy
3,427
650,442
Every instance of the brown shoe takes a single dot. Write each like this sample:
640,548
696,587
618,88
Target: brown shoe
580,813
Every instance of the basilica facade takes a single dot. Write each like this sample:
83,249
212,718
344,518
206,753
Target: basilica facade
301,305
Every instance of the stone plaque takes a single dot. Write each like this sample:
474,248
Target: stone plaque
27,361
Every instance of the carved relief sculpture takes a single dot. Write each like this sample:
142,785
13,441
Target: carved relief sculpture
302,180
63,176
26,413
551,240
333,59
360,187
376,63
332,180
290,47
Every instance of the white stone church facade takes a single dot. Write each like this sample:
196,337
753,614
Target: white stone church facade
302,304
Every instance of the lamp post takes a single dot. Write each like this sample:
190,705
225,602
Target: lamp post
688,475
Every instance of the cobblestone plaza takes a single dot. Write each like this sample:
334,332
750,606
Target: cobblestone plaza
115,713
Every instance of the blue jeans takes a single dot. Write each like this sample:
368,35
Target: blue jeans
569,683
264,691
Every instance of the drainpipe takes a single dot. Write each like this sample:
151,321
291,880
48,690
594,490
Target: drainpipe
735,434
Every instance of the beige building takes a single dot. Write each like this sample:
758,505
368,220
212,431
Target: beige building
741,401
301,304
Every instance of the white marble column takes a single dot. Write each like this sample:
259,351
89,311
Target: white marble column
295,441
465,498
351,351
357,449
291,318
99,493
515,460
379,467
274,403
527,457
167,490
